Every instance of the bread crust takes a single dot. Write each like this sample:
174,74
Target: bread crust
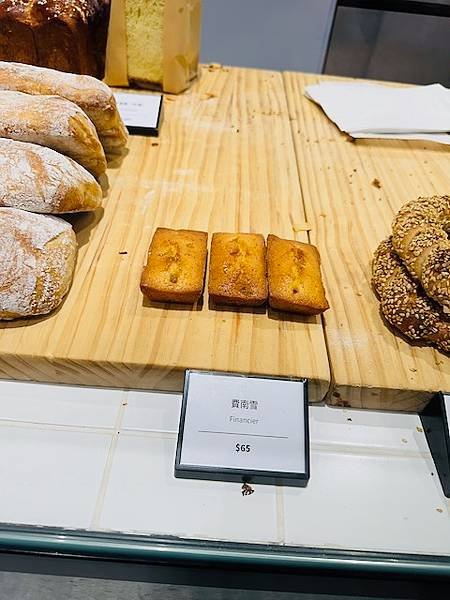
295,283
175,268
94,97
37,260
53,122
237,270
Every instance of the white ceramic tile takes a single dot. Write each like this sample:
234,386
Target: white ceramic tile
380,503
143,495
59,404
152,411
384,431
50,477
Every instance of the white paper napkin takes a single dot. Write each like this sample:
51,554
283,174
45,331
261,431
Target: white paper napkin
369,110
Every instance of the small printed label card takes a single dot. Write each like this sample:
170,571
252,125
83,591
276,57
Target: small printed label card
243,428
141,112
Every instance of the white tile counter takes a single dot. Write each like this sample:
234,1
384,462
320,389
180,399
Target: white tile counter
103,460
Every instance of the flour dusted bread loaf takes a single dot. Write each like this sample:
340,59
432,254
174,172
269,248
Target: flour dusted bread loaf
237,270
175,266
68,35
41,180
54,122
37,258
404,302
92,96
295,283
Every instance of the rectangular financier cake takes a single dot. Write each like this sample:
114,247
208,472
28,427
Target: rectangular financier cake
295,284
237,270
175,266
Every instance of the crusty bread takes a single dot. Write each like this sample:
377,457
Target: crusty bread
41,180
420,237
175,268
91,95
237,270
145,23
37,258
68,35
404,302
295,284
54,122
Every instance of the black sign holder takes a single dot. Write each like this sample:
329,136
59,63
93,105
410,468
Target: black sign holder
435,421
299,479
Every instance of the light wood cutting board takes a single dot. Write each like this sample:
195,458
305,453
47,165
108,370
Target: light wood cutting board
351,193
225,161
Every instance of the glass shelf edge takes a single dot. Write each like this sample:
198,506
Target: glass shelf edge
130,547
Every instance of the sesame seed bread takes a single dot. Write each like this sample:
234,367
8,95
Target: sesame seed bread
420,238
404,302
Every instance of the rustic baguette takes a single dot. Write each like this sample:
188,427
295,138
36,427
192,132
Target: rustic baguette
53,122
41,180
91,95
37,259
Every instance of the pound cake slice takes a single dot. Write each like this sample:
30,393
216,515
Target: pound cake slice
295,284
237,271
175,268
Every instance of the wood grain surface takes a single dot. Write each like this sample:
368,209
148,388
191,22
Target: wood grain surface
224,161
351,192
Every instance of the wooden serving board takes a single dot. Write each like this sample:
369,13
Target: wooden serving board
224,161
372,366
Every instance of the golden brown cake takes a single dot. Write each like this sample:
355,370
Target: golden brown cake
175,266
237,270
295,284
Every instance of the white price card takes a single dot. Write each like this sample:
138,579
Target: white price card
243,428
141,112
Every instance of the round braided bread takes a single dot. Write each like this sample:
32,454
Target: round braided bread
404,303
420,237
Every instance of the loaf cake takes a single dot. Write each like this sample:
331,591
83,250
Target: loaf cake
154,43
295,283
68,35
41,180
145,26
92,96
237,271
53,122
175,266
37,259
